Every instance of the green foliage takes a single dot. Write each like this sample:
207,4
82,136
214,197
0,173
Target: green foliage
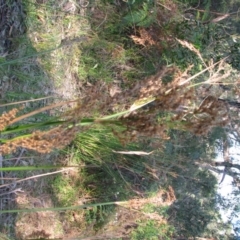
190,2
103,60
194,189
161,210
99,215
113,54
192,216
197,34
216,137
214,41
65,191
141,16
116,171
207,7
152,231
108,176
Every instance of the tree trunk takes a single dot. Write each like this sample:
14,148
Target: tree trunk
227,164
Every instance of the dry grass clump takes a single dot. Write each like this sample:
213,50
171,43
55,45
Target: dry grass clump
153,37
144,38
162,198
42,142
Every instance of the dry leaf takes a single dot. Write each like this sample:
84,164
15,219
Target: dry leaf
114,90
218,19
139,153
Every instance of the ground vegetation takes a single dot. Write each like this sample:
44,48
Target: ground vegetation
111,114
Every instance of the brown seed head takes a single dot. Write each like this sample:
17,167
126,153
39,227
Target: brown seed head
6,118
42,142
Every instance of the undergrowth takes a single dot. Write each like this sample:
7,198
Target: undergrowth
130,65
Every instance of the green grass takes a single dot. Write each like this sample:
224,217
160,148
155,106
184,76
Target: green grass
64,190
105,176
150,230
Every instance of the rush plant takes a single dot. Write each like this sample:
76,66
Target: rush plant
139,113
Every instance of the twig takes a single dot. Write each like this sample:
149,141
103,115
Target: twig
25,101
164,6
83,4
216,13
199,73
105,18
224,175
137,192
9,178
15,158
19,157
139,153
13,191
36,176
40,110
1,173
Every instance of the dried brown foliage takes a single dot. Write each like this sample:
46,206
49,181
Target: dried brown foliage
158,36
191,47
210,113
177,99
152,36
174,104
42,142
162,198
144,38
6,118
